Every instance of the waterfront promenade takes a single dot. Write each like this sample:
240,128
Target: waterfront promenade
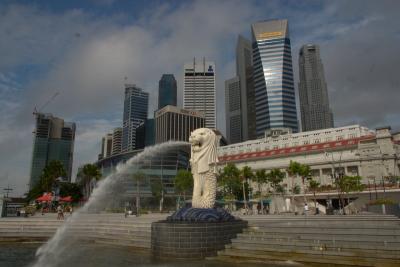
359,240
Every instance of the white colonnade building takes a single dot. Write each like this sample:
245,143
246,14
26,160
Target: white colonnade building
351,150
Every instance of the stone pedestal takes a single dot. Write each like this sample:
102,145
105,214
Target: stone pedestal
192,240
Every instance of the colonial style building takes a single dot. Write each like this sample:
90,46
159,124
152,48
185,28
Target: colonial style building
350,150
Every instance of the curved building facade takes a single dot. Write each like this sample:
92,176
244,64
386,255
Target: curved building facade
275,99
163,166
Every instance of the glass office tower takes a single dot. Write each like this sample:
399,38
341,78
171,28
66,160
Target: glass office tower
53,140
167,91
273,77
136,105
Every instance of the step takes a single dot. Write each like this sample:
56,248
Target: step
350,244
350,223
324,236
325,230
381,251
307,258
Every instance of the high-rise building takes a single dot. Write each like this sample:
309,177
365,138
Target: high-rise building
53,140
106,145
244,70
173,123
145,134
167,91
275,100
233,111
199,90
135,112
116,141
240,97
314,102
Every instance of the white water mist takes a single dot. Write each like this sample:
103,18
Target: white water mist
54,251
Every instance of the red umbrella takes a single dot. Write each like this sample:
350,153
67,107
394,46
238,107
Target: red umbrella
45,198
66,199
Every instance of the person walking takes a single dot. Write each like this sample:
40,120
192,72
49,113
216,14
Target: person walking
60,213
305,209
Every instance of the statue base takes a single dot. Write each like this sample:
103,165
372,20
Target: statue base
192,233
201,215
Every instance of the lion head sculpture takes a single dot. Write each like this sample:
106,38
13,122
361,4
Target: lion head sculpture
204,144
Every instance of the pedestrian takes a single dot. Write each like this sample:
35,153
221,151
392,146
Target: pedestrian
60,213
305,209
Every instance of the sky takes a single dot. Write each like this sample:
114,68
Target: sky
87,50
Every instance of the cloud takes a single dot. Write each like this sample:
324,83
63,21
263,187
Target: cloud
85,58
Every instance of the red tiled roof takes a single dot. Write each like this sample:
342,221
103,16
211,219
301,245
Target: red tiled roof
295,150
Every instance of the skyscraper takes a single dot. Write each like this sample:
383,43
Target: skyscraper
239,96
233,111
244,70
199,90
106,145
275,100
53,140
116,141
135,112
314,101
166,91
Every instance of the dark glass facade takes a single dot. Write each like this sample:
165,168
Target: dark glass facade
167,91
314,101
53,140
135,112
145,135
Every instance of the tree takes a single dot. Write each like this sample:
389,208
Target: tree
157,190
183,182
70,189
51,172
246,175
347,184
313,186
139,177
229,180
48,179
87,174
293,170
275,177
261,178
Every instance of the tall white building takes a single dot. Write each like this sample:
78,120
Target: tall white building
199,90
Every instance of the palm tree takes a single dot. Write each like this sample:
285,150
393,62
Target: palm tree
247,175
305,173
138,177
313,186
293,170
261,178
275,177
89,172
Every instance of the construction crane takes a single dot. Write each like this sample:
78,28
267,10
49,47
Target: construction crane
36,111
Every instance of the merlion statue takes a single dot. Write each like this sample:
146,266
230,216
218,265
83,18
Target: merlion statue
204,158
